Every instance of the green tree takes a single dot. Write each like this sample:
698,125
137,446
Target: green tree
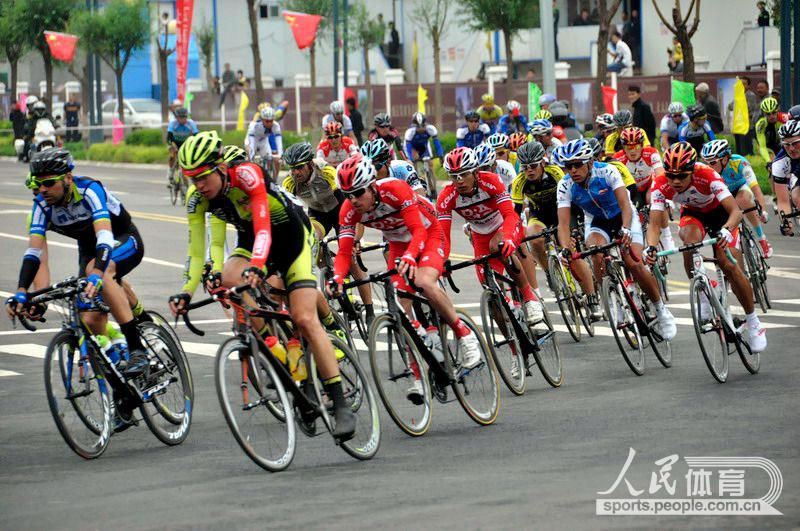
12,41
684,30
605,13
508,16
365,33
432,18
205,38
113,33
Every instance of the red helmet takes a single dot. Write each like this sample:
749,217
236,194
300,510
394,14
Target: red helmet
515,140
354,173
680,157
632,135
558,132
459,160
332,128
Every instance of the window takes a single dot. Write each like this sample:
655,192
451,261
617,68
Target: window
268,10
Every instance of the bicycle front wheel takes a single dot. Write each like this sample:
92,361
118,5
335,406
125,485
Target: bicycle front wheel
244,395
623,325
709,329
547,353
565,297
502,342
750,359
79,399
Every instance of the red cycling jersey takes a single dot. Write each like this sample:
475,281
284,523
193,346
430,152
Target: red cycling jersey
488,209
336,156
704,194
249,178
642,170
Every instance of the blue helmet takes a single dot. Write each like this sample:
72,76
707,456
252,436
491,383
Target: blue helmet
715,149
540,127
486,155
576,150
555,156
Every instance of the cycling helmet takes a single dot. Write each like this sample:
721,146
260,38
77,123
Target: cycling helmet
56,161
541,127
530,153
355,173
498,140
715,149
680,157
181,112
695,111
789,129
39,107
459,160
555,156
298,154
488,99
794,112
200,150
675,107
769,105
418,119
377,150
512,105
623,117
543,114
546,99
332,128
576,150
472,115
382,120
604,121
632,135
596,145
30,100
515,140
233,154
485,154
337,107
267,113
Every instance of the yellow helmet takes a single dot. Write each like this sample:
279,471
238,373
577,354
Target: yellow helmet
487,98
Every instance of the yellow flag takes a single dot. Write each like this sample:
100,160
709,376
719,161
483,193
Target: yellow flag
242,108
741,119
489,43
422,97
415,54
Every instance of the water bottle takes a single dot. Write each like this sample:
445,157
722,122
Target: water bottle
297,364
434,343
276,348
114,350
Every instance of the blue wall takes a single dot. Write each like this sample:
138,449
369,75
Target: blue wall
136,80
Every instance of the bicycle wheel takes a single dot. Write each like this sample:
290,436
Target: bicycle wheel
168,396
393,363
502,342
348,327
358,393
565,297
752,265
623,325
547,353
750,359
79,399
431,178
662,263
711,331
171,186
477,389
660,346
267,440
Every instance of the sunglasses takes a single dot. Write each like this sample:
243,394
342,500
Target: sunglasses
298,166
47,183
678,176
713,162
473,121
530,165
677,117
573,164
334,136
355,193
198,174
792,144
457,177
382,126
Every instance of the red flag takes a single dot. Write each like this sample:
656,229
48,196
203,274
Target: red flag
304,27
185,8
62,45
608,98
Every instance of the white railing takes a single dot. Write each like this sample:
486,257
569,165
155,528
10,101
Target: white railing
751,47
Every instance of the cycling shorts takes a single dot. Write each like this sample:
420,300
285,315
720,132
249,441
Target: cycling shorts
328,220
422,150
432,255
480,247
610,228
639,197
127,253
546,218
711,221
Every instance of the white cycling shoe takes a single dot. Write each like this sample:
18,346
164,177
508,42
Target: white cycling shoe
757,338
667,323
534,312
415,393
470,350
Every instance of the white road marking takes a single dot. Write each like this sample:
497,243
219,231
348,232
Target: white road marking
32,350
786,256
787,301
783,272
738,310
19,332
202,349
8,373
15,211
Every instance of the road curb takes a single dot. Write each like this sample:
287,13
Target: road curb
129,165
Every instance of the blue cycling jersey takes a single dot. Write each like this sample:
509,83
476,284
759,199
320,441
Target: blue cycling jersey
471,139
597,198
400,169
737,173
509,124
178,132
418,141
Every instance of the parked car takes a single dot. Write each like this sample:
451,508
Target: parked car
140,113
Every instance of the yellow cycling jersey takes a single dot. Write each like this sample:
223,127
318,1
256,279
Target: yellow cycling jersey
490,113
627,177
541,194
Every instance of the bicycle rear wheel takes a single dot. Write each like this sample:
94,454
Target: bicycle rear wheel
547,353
752,265
661,347
393,362
267,440
565,297
623,325
711,331
503,343
79,399
750,359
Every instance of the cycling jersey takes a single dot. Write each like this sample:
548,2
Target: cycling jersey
418,141
695,136
347,125
400,169
613,144
768,138
319,193
335,156
471,139
512,124
784,167
392,139
706,192
642,170
177,133
259,138
669,126
506,171
737,173
627,177
490,114
597,198
541,194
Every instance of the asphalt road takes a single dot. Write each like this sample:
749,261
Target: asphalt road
540,465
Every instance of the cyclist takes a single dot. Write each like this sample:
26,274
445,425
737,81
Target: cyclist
597,188
335,148
543,114
542,131
337,115
383,129
380,154
178,131
264,140
696,130
473,133
489,112
280,110
109,245
482,200
767,128
499,142
671,122
622,119
514,120
415,237
786,165
706,206
736,171
418,138
487,161
240,195
604,125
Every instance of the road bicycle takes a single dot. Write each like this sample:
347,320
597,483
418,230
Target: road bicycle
792,218
87,393
755,264
718,333
423,167
260,399
397,352
662,262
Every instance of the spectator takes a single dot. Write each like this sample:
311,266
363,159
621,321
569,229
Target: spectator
634,39
242,80
763,14
776,94
583,19
394,46
530,76
710,105
642,113
621,54
355,119
675,57
624,26
228,83
762,90
71,110
17,118
744,143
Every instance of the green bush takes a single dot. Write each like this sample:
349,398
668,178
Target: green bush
448,141
125,153
145,137
7,146
6,124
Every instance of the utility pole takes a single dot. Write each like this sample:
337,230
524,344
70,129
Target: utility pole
335,49
548,47
95,90
345,79
786,55
796,12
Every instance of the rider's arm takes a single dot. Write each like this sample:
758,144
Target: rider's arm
95,196
517,198
250,142
196,207
434,134
277,137
401,153
36,240
564,203
682,132
216,243
444,214
709,132
249,178
409,149
413,220
461,132
348,222
733,210
752,182
494,187
193,127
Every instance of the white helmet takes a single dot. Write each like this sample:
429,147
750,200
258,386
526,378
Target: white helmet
675,107
337,107
267,113
30,100
512,105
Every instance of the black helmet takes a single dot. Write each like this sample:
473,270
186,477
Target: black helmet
383,120
298,154
794,112
472,115
56,161
181,112
695,111
623,117
597,147
530,153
